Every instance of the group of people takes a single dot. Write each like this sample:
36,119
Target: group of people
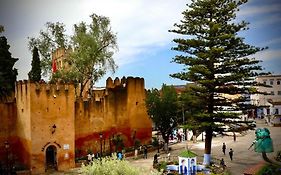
144,149
91,157
222,163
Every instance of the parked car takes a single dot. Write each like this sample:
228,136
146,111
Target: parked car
252,124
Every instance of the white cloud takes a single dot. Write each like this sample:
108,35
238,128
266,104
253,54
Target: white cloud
272,19
268,54
140,24
259,10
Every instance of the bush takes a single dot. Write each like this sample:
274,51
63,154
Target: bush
270,170
161,166
113,166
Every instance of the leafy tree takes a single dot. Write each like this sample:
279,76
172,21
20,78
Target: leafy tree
91,50
162,108
8,74
192,107
35,73
118,142
48,41
216,59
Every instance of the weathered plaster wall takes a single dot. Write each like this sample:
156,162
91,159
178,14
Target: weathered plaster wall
139,119
7,129
117,110
27,122
52,123
22,124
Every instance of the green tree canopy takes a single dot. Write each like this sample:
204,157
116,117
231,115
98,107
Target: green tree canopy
91,50
35,73
163,109
8,74
192,107
216,59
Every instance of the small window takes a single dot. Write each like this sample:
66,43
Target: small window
271,81
267,111
272,93
279,93
264,81
276,111
278,82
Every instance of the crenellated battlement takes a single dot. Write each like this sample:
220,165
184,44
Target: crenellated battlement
45,115
124,82
23,87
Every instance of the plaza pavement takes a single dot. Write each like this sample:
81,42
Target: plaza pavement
242,157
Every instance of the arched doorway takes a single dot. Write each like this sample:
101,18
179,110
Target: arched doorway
51,158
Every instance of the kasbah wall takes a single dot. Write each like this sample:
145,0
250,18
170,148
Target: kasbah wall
44,116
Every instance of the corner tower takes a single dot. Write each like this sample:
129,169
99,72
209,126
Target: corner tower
45,125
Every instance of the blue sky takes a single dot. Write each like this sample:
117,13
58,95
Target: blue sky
142,32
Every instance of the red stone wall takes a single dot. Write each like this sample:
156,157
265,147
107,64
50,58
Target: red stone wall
27,122
52,123
117,110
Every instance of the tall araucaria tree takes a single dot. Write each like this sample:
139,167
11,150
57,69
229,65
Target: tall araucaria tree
35,73
216,59
89,50
163,109
8,74
191,106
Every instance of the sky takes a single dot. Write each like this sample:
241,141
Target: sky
142,33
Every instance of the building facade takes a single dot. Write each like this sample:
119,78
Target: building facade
269,103
46,126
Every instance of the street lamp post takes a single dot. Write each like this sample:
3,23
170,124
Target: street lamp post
101,144
158,144
7,146
110,149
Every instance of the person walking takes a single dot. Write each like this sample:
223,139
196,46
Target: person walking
155,159
89,158
223,148
145,152
231,154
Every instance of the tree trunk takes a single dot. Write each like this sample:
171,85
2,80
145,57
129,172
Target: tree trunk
208,144
265,158
166,142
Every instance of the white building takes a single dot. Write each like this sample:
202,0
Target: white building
269,104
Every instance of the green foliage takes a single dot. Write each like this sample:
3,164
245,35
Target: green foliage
270,169
155,141
49,40
216,59
162,107
118,142
8,74
35,73
89,50
161,166
113,166
137,143
192,106
187,153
